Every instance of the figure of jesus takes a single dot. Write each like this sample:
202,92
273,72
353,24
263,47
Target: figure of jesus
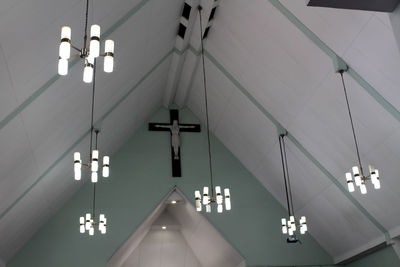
175,140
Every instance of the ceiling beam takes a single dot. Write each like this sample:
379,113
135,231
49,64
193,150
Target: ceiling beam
178,59
329,52
369,5
53,79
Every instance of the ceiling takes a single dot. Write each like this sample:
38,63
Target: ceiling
262,71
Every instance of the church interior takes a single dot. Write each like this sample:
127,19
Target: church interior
199,133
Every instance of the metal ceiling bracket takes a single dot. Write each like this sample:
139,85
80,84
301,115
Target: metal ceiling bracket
339,64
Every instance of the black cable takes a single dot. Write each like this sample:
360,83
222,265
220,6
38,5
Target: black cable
86,23
206,102
91,133
288,177
281,144
92,114
94,201
352,125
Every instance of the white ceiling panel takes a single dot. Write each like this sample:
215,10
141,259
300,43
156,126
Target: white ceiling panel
265,59
336,27
377,59
8,99
219,90
336,223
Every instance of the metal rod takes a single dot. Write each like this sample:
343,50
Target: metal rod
92,114
281,144
352,125
288,177
86,23
94,201
206,102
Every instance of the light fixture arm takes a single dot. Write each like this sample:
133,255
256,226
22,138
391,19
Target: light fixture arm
206,103
351,122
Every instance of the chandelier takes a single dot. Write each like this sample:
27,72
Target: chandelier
290,226
357,176
215,196
87,53
88,222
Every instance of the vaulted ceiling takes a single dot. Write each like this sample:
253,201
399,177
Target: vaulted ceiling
269,65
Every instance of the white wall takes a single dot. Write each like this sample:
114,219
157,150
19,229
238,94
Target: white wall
162,248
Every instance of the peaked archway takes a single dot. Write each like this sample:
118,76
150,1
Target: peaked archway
176,235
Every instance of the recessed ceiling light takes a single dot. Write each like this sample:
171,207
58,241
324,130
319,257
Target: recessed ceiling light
164,227
173,202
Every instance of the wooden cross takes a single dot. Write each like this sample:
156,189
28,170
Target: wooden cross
175,128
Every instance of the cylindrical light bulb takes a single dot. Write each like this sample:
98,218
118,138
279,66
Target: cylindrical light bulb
88,74
357,180
220,208
363,189
62,67
109,46
77,172
205,191
94,177
82,229
65,32
355,171
65,45
349,180
198,204
106,171
283,220
95,154
109,56
208,208
302,231
291,232
205,195
227,193
377,184
64,51
91,231
228,203
284,230
95,161
106,160
94,40
217,190
106,166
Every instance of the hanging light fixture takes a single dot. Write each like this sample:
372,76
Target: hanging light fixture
213,196
357,176
290,225
87,53
88,222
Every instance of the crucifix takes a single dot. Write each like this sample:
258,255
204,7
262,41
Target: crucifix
175,128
